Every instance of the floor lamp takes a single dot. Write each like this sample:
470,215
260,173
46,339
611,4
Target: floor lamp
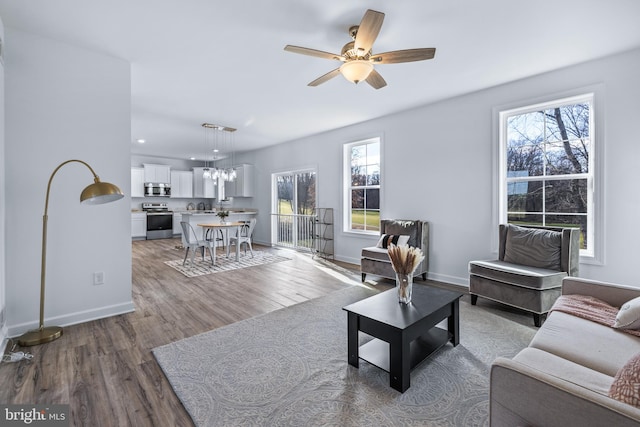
95,194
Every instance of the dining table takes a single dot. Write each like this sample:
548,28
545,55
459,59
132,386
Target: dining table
214,226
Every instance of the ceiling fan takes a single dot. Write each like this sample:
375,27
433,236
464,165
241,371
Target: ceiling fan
357,58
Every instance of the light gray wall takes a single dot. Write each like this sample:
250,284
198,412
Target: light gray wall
3,328
64,102
439,165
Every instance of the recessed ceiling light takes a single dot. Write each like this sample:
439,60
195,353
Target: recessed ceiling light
192,158
141,141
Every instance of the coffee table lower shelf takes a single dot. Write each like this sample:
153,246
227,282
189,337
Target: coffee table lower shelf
376,351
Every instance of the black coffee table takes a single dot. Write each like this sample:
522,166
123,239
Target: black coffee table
405,334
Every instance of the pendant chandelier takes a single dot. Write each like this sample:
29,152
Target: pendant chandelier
219,141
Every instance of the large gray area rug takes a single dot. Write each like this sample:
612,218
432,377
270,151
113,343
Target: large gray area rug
201,267
289,368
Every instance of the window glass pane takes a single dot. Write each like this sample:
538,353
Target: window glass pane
285,194
524,159
373,153
357,199
526,197
373,175
567,157
566,196
357,219
567,122
306,192
358,155
372,198
372,220
527,128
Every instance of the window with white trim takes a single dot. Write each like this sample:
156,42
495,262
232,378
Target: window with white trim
362,186
547,166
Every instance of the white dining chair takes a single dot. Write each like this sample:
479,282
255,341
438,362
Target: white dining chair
244,237
190,241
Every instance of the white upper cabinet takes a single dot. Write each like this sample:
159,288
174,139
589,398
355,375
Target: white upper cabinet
137,182
160,174
181,184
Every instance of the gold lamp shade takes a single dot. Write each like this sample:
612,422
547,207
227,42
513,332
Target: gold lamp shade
100,192
95,194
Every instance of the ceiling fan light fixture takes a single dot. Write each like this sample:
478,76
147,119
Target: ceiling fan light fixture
357,70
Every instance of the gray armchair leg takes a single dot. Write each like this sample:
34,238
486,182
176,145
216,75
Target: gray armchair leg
537,319
364,275
474,299
424,276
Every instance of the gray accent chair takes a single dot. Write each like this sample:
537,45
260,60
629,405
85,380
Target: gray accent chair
376,260
532,261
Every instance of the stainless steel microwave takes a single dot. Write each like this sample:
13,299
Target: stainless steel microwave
152,189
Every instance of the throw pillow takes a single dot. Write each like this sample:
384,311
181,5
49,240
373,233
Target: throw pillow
388,239
629,315
626,383
533,247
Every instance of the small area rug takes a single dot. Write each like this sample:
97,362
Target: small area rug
223,263
289,368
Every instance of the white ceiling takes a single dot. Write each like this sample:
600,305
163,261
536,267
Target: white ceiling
195,61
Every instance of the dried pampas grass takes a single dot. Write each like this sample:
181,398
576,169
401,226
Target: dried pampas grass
405,259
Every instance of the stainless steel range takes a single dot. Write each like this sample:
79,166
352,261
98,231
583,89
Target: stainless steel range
159,221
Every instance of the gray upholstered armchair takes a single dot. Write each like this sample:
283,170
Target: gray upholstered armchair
375,259
532,261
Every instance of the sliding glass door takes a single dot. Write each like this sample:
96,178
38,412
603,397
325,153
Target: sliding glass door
294,203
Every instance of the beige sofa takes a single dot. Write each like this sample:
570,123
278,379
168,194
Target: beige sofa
564,376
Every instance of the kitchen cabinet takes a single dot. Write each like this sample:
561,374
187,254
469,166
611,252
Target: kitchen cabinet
181,185
177,228
159,174
137,182
242,186
203,188
138,224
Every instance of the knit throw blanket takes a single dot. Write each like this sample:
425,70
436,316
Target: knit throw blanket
590,308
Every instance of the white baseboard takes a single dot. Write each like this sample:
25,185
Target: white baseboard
74,318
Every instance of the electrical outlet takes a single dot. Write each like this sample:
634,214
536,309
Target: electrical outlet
98,278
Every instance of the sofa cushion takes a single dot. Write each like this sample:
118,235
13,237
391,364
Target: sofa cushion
388,239
374,252
567,370
533,247
518,275
629,315
405,228
586,343
626,384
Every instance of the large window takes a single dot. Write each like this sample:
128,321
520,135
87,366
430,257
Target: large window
362,186
547,166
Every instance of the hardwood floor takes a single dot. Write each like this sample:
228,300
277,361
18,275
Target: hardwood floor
105,369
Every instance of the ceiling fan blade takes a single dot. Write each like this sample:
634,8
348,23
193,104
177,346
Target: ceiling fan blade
313,52
407,55
375,80
368,31
331,74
